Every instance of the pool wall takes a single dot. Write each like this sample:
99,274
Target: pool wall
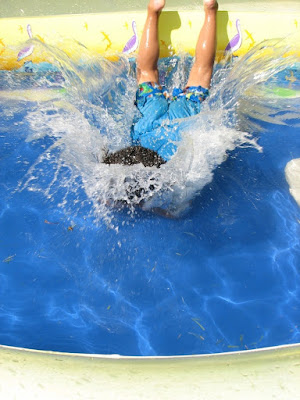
292,173
108,33
29,374
257,374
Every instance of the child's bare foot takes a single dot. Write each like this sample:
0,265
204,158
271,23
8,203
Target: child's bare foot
156,5
210,5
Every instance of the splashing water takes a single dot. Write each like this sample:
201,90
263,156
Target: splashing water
258,87
94,113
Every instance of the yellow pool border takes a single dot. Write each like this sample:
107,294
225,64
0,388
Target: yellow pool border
107,34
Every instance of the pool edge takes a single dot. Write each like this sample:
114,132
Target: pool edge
264,373
96,32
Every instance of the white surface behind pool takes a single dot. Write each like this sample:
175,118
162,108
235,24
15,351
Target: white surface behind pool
256,374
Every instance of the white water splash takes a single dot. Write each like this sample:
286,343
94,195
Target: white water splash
97,114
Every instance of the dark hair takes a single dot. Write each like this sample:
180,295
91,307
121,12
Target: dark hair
134,155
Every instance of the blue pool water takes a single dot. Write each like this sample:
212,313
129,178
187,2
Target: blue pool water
76,276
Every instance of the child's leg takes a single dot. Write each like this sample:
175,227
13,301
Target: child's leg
202,69
149,47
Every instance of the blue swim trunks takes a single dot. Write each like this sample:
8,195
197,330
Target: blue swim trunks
157,129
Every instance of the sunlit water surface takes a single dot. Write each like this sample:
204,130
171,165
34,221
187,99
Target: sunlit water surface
81,272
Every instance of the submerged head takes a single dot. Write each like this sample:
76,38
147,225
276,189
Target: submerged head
134,155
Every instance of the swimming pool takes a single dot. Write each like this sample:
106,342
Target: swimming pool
81,276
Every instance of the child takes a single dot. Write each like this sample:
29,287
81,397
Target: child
154,136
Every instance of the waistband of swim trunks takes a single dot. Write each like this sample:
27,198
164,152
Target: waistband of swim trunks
151,88
194,93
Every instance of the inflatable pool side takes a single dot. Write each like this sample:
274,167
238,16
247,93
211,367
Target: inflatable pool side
109,33
292,173
270,373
